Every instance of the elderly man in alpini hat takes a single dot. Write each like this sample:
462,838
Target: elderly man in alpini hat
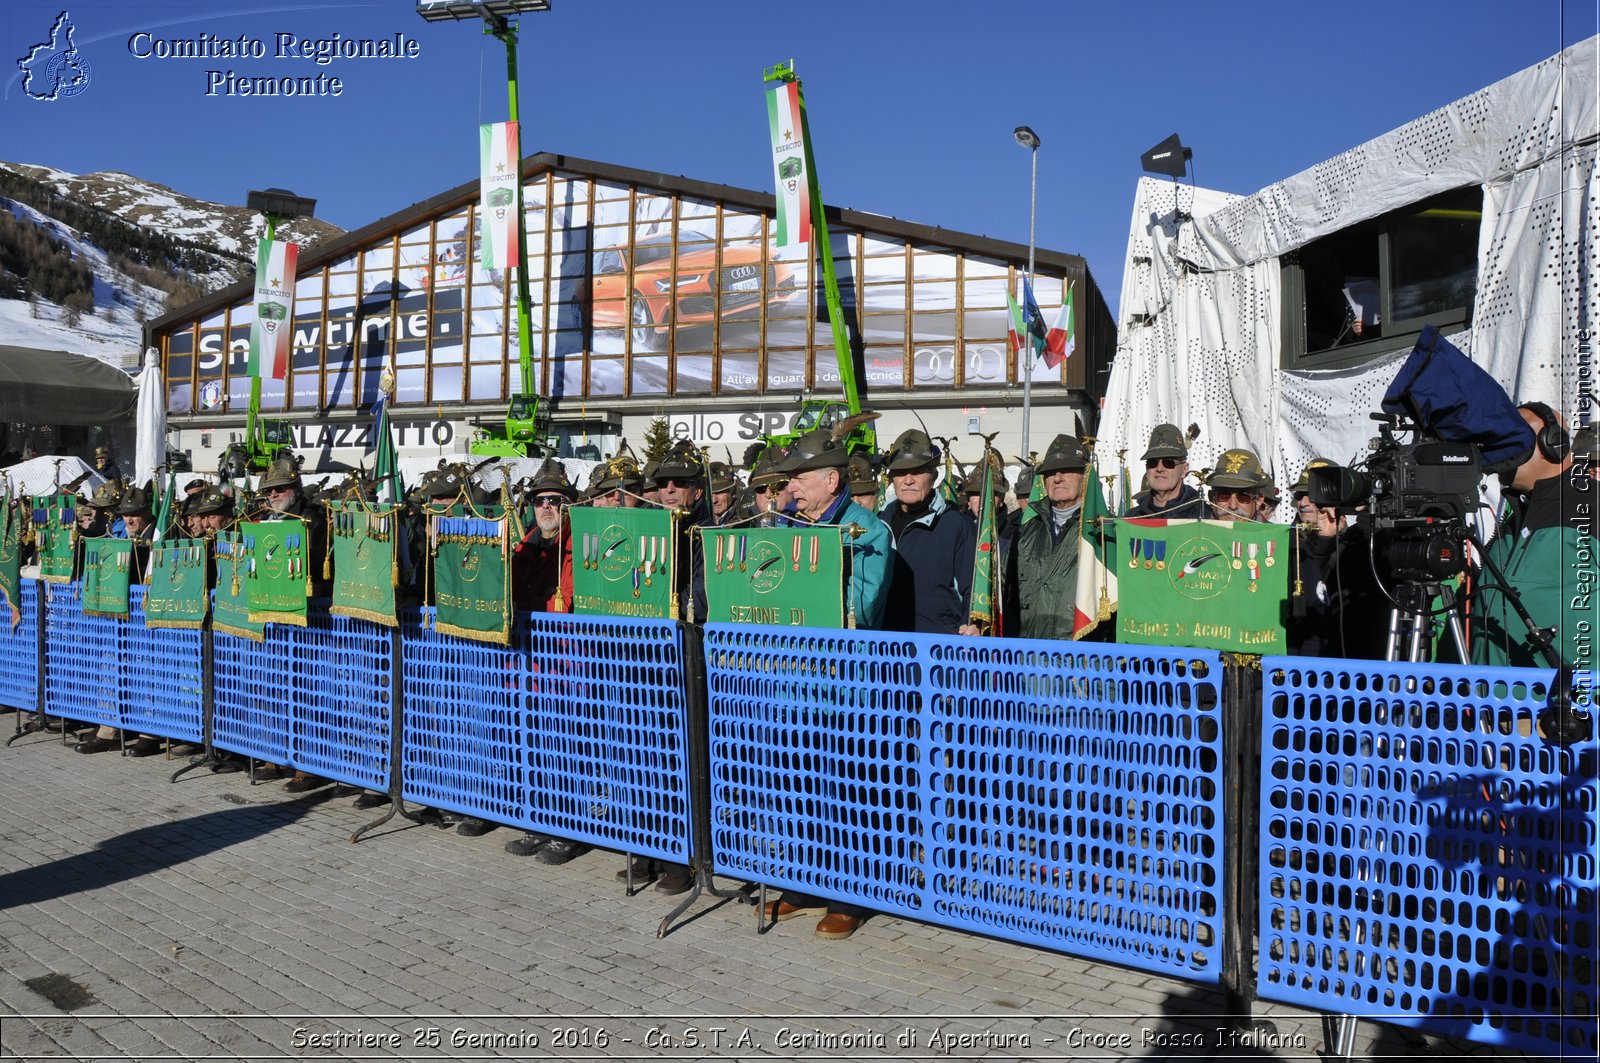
1237,486
818,479
1166,463
1042,573
934,544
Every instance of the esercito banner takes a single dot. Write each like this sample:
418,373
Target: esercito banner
789,165
276,261
499,171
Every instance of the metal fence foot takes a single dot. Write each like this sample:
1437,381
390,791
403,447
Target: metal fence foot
205,760
38,724
396,806
683,906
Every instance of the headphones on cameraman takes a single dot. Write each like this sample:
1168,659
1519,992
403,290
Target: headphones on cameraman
1551,439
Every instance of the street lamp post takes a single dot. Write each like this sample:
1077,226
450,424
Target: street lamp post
1030,140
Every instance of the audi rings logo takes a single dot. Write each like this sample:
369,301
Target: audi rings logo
937,365
739,273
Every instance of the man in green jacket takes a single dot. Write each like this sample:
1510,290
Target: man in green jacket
1546,549
1042,567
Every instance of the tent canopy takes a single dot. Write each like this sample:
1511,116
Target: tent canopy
54,387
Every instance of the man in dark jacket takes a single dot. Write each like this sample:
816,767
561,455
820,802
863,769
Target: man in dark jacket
1042,573
1166,463
934,544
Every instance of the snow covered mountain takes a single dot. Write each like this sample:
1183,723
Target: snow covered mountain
86,259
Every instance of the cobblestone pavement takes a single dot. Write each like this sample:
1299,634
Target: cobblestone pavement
214,919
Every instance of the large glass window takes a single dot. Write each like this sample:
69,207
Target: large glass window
1368,290
639,293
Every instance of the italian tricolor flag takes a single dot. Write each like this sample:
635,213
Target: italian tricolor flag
1096,599
499,227
1063,335
787,121
274,306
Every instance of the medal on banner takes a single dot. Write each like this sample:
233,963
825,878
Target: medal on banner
744,551
1254,566
794,553
816,549
661,562
1161,555
1272,545
1238,554
1133,552
721,540
1149,553
636,583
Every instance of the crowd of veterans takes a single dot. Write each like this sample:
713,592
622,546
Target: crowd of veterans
910,554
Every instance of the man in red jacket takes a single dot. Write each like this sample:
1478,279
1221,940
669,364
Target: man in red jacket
541,581
541,567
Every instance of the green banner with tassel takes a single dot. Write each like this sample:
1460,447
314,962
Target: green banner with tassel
363,541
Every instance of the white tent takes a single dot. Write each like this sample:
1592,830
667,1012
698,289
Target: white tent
1200,338
44,474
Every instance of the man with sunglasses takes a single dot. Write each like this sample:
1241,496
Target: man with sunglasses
680,482
769,488
1236,486
541,580
1166,463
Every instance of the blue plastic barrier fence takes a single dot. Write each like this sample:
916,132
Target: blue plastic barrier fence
576,729
1427,859
19,651
1060,795
164,676
607,743
83,660
341,671
253,695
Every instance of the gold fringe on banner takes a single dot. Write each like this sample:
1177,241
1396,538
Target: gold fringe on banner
243,633
190,624
499,638
362,614
54,579
291,619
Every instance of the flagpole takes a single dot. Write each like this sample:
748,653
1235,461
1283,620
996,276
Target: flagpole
1030,140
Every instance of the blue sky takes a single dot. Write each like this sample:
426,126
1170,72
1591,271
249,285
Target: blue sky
912,104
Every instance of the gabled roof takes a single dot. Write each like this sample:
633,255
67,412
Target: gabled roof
543,162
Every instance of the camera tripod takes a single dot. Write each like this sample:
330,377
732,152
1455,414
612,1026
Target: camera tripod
1411,621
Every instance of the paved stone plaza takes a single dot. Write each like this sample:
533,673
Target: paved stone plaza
141,919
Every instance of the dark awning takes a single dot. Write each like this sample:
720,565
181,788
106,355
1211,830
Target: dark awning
54,387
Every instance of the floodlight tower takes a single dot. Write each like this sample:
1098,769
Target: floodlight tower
522,415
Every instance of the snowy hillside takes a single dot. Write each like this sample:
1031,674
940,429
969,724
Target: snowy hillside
230,229
200,251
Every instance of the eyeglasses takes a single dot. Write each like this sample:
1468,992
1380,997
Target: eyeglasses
548,500
675,482
1165,463
1222,494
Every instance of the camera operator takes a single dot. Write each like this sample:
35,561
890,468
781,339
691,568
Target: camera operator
1342,610
1537,548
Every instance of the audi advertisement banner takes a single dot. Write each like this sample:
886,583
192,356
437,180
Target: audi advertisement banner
635,292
